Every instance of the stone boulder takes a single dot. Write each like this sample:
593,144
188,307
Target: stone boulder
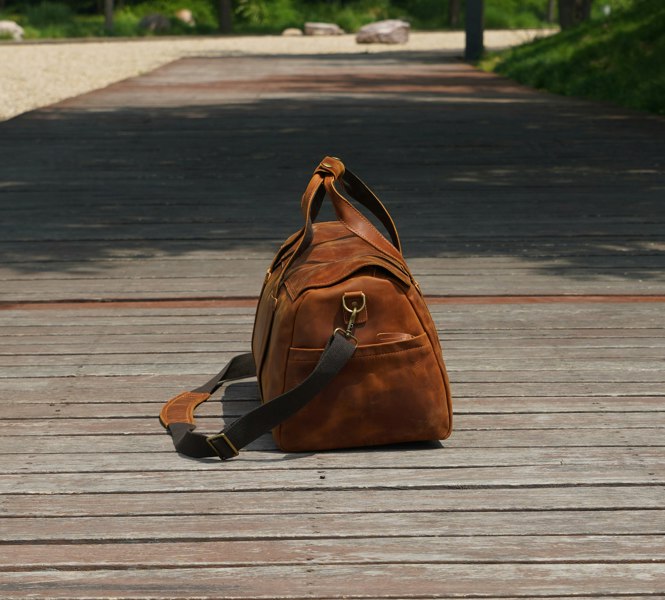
184,15
323,29
155,23
11,29
292,31
391,31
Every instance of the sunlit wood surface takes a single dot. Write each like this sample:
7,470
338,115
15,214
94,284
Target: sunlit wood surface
535,223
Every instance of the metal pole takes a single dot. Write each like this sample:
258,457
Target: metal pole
474,30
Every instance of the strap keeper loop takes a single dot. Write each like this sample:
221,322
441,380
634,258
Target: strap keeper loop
331,165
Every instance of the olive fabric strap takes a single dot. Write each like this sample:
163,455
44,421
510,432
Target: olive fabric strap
177,415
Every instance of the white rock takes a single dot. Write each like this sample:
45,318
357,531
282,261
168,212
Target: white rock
293,31
11,28
391,31
323,29
185,15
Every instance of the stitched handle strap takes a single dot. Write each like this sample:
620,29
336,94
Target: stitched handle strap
332,169
361,192
329,171
177,415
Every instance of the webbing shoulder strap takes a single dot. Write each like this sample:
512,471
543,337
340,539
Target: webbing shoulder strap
177,415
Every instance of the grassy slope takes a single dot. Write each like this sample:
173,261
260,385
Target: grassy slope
620,59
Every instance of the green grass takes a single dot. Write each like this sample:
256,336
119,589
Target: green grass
57,20
272,16
619,59
515,14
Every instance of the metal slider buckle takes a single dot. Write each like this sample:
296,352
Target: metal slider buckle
346,334
211,438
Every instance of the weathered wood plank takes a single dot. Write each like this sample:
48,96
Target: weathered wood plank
324,478
159,388
612,368
470,325
328,581
42,253
250,269
348,525
473,317
558,421
192,366
574,281
105,406
563,498
219,330
357,551
158,441
414,456
170,349
551,485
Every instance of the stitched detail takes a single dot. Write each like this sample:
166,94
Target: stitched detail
360,235
376,198
342,278
311,196
380,204
176,405
373,355
393,271
363,218
289,289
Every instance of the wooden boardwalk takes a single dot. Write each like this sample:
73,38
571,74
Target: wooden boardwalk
536,224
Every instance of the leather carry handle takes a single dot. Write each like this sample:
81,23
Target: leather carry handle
177,415
329,170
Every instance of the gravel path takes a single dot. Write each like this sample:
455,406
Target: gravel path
42,73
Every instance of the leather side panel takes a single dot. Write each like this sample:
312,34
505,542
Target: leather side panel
271,380
389,392
395,389
263,325
420,308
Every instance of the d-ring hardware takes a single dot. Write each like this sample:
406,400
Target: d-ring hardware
354,309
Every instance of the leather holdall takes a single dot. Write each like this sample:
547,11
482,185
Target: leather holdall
344,348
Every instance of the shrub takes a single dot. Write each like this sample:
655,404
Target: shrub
48,13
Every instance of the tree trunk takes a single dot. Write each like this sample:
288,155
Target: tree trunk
550,11
108,15
573,12
453,12
225,16
586,9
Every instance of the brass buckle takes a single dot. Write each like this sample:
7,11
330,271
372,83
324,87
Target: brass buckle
211,438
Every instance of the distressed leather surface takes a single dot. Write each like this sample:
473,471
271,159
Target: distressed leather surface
395,388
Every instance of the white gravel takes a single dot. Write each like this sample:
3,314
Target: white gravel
42,73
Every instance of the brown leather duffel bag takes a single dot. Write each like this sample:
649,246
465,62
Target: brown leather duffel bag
344,348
